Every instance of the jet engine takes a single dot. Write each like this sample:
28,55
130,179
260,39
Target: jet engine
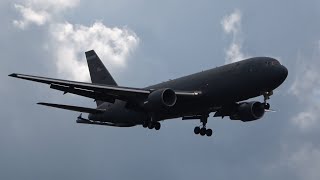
160,99
248,111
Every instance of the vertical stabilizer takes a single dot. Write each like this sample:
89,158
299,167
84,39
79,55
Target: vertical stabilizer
98,72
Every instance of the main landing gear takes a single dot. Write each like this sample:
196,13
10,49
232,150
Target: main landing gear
151,125
203,130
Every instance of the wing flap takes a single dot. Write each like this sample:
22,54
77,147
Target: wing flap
85,93
73,108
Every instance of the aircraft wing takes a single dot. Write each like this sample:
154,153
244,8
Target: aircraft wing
106,93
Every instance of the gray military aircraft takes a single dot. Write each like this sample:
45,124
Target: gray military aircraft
221,90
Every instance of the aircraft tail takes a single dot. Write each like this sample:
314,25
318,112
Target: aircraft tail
98,72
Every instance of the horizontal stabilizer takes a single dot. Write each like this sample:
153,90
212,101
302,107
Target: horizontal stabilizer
81,121
74,108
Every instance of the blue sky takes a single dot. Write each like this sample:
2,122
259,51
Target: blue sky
145,42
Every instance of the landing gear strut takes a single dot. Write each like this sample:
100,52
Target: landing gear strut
203,130
266,96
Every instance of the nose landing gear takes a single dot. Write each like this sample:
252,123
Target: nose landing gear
266,96
266,106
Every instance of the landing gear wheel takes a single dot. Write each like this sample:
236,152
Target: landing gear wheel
157,126
197,130
203,131
145,124
266,106
209,132
150,125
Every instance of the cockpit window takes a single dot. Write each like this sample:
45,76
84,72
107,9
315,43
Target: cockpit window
272,63
275,62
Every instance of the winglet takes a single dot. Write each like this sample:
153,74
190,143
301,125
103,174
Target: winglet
13,75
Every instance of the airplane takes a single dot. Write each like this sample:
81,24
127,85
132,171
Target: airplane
222,90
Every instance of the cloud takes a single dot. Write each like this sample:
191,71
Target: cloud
40,12
69,42
302,161
306,162
306,80
30,16
305,87
234,53
307,119
231,24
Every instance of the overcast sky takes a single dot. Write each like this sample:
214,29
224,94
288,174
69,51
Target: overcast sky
145,42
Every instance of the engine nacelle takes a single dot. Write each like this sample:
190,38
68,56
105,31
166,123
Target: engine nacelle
249,111
161,99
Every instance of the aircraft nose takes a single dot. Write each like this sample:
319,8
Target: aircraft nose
283,72
276,76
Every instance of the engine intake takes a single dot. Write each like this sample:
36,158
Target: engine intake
161,98
249,111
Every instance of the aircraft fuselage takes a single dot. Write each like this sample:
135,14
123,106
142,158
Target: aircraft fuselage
219,86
